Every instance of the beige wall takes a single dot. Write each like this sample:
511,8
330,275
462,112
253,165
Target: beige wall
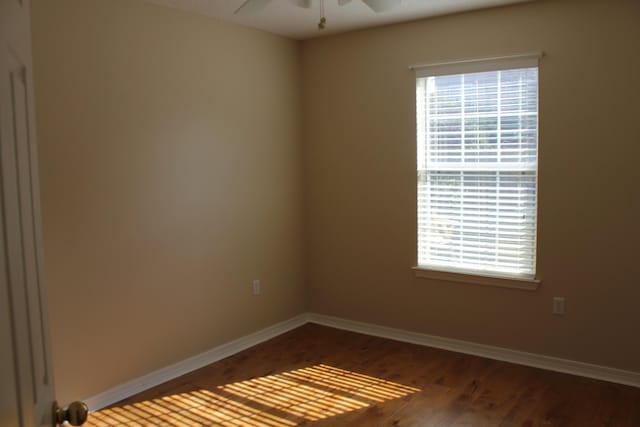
359,133
172,149
171,177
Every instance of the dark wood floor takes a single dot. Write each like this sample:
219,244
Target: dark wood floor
319,376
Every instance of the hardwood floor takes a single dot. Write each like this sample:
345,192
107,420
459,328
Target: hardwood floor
318,376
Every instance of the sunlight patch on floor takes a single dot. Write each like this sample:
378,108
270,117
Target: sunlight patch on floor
281,400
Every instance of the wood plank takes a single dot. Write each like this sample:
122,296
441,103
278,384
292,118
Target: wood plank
315,375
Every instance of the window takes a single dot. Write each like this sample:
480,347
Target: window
477,152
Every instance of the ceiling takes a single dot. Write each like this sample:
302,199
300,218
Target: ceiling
284,18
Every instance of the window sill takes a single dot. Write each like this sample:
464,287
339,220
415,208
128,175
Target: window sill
502,282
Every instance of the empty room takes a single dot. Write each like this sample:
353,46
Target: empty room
277,213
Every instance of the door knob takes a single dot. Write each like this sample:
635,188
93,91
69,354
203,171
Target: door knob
76,414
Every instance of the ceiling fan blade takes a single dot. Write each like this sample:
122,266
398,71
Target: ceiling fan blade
382,5
307,4
251,7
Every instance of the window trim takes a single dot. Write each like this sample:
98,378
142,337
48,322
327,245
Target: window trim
473,65
478,278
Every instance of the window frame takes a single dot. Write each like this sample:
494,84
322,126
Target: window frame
467,66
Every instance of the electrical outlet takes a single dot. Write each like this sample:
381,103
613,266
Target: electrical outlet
256,287
558,305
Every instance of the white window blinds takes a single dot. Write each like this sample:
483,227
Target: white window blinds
477,170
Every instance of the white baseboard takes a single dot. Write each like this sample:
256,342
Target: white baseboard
160,376
498,353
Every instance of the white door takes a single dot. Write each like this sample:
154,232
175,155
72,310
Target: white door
26,384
